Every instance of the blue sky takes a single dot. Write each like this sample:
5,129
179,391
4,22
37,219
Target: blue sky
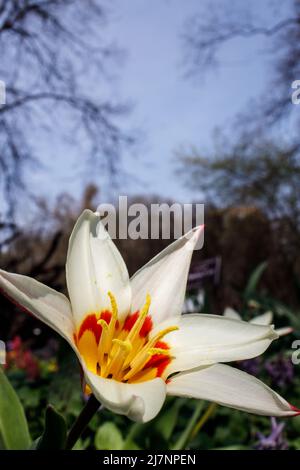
170,110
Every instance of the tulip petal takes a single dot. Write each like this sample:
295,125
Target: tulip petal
46,304
139,401
206,339
165,277
285,330
230,387
231,313
95,267
264,319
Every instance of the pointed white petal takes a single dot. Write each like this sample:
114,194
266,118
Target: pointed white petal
140,402
165,278
95,267
44,303
206,339
285,330
264,319
231,313
230,387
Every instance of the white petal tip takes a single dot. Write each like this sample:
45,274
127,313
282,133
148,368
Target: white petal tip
284,331
198,229
195,238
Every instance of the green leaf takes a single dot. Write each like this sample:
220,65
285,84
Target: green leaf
254,280
55,432
108,437
14,434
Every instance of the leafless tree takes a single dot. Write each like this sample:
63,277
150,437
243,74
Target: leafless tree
55,64
259,163
206,33
258,158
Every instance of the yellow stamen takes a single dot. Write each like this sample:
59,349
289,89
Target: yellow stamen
114,306
140,320
113,321
161,334
142,359
103,343
153,351
133,336
137,347
151,343
116,362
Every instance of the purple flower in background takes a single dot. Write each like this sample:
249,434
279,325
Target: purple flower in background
251,366
280,370
275,441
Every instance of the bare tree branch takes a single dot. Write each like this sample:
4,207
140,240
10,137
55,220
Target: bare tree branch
205,35
53,51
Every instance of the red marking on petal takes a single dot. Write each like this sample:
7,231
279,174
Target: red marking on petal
159,362
162,366
162,345
90,323
106,316
130,321
147,327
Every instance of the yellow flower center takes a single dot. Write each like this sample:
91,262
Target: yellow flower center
123,351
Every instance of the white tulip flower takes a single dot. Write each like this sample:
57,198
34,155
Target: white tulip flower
133,343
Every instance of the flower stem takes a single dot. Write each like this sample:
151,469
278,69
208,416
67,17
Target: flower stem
86,414
203,419
184,437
